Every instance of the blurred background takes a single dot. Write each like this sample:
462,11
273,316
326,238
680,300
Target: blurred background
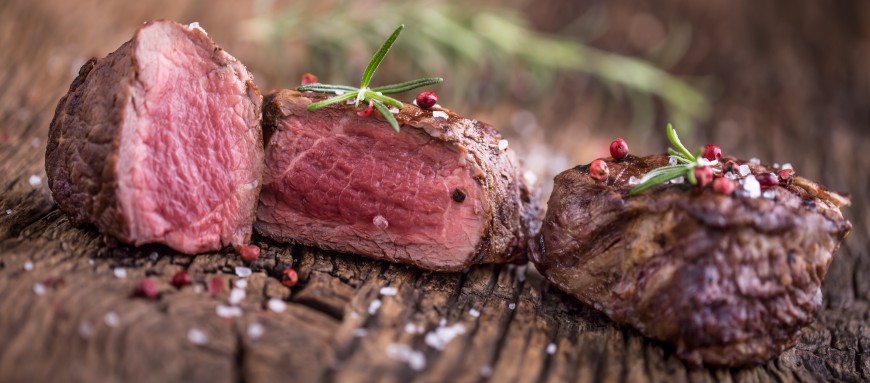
782,81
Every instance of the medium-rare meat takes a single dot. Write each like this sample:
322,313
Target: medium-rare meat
443,193
160,142
727,279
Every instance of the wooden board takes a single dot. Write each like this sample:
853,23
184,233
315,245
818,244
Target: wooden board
509,324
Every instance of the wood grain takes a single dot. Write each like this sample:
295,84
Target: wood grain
87,326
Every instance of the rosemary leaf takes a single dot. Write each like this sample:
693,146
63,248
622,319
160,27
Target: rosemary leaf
385,99
657,180
664,169
387,114
326,88
679,156
691,176
379,56
408,85
672,136
332,100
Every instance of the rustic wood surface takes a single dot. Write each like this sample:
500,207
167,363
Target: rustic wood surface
87,326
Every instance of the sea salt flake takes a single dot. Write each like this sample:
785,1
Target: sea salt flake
787,165
474,313
380,222
672,161
503,145
243,272
28,265
633,180
374,306
255,331
236,296
404,353
678,180
241,283
276,305
195,26
443,335
769,194
776,165
35,180
360,332
38,288
197,337
551,348
752,187
743,170
389,290
512,306
8,211
120,272
225,311
439,114
112,319
394,110
755,161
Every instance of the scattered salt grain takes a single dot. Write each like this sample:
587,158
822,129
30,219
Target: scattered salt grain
111,319
442,322
503,145
403,353
360,332
389,290
551,348
154,256
442,335
91,261
277,305
730,176
8,211
530,177
521,273
411,328
752,187
678,180
439,114
380,222
486,371
236,296
776,165
38,288
743,170
86,330
225,311
243,272
787,166
341,92
28,265
35,180
374,306
394,110
512,306
755,161
633,180
120,272
197,337
769,194
241,283
474,313
195,26
354,315
672,161
255,331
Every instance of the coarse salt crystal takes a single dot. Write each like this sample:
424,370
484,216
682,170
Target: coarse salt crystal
755,161
787,166
35,180
120,272
277,305
403,353
243,272
389,290
154,256
195,26
241,283
439,114
442,335
474,313
236,296
551,348
672,161
28,265
255,331
225,311
197,337
394,110
360,332
374,306
38,288
776,165
111,319
503,145
380,222
752,187
8,211
769,194
743,170
512,306
678,180
633,180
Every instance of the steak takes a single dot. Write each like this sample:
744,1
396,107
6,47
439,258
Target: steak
729,280
160,142
442,194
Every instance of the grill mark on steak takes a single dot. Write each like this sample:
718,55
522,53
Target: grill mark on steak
439,194
727,280
160,142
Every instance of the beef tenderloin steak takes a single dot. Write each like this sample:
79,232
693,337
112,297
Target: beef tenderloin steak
729,280
160,142
441,194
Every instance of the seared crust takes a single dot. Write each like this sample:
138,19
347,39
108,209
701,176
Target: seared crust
728,280
512,210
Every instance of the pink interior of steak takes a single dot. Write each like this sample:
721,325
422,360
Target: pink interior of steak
353,184
187,168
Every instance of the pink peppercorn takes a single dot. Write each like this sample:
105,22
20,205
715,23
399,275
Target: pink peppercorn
767,180
367,111
427,100
785,176
712,152
618,149
289,277
723,186
309,78
704,175
146,288
598,170
181,279
250,253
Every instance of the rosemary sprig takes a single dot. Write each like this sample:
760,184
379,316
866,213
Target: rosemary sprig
364,93
685,167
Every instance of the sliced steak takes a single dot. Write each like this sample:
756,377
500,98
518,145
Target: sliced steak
160,142
728,280
442,194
